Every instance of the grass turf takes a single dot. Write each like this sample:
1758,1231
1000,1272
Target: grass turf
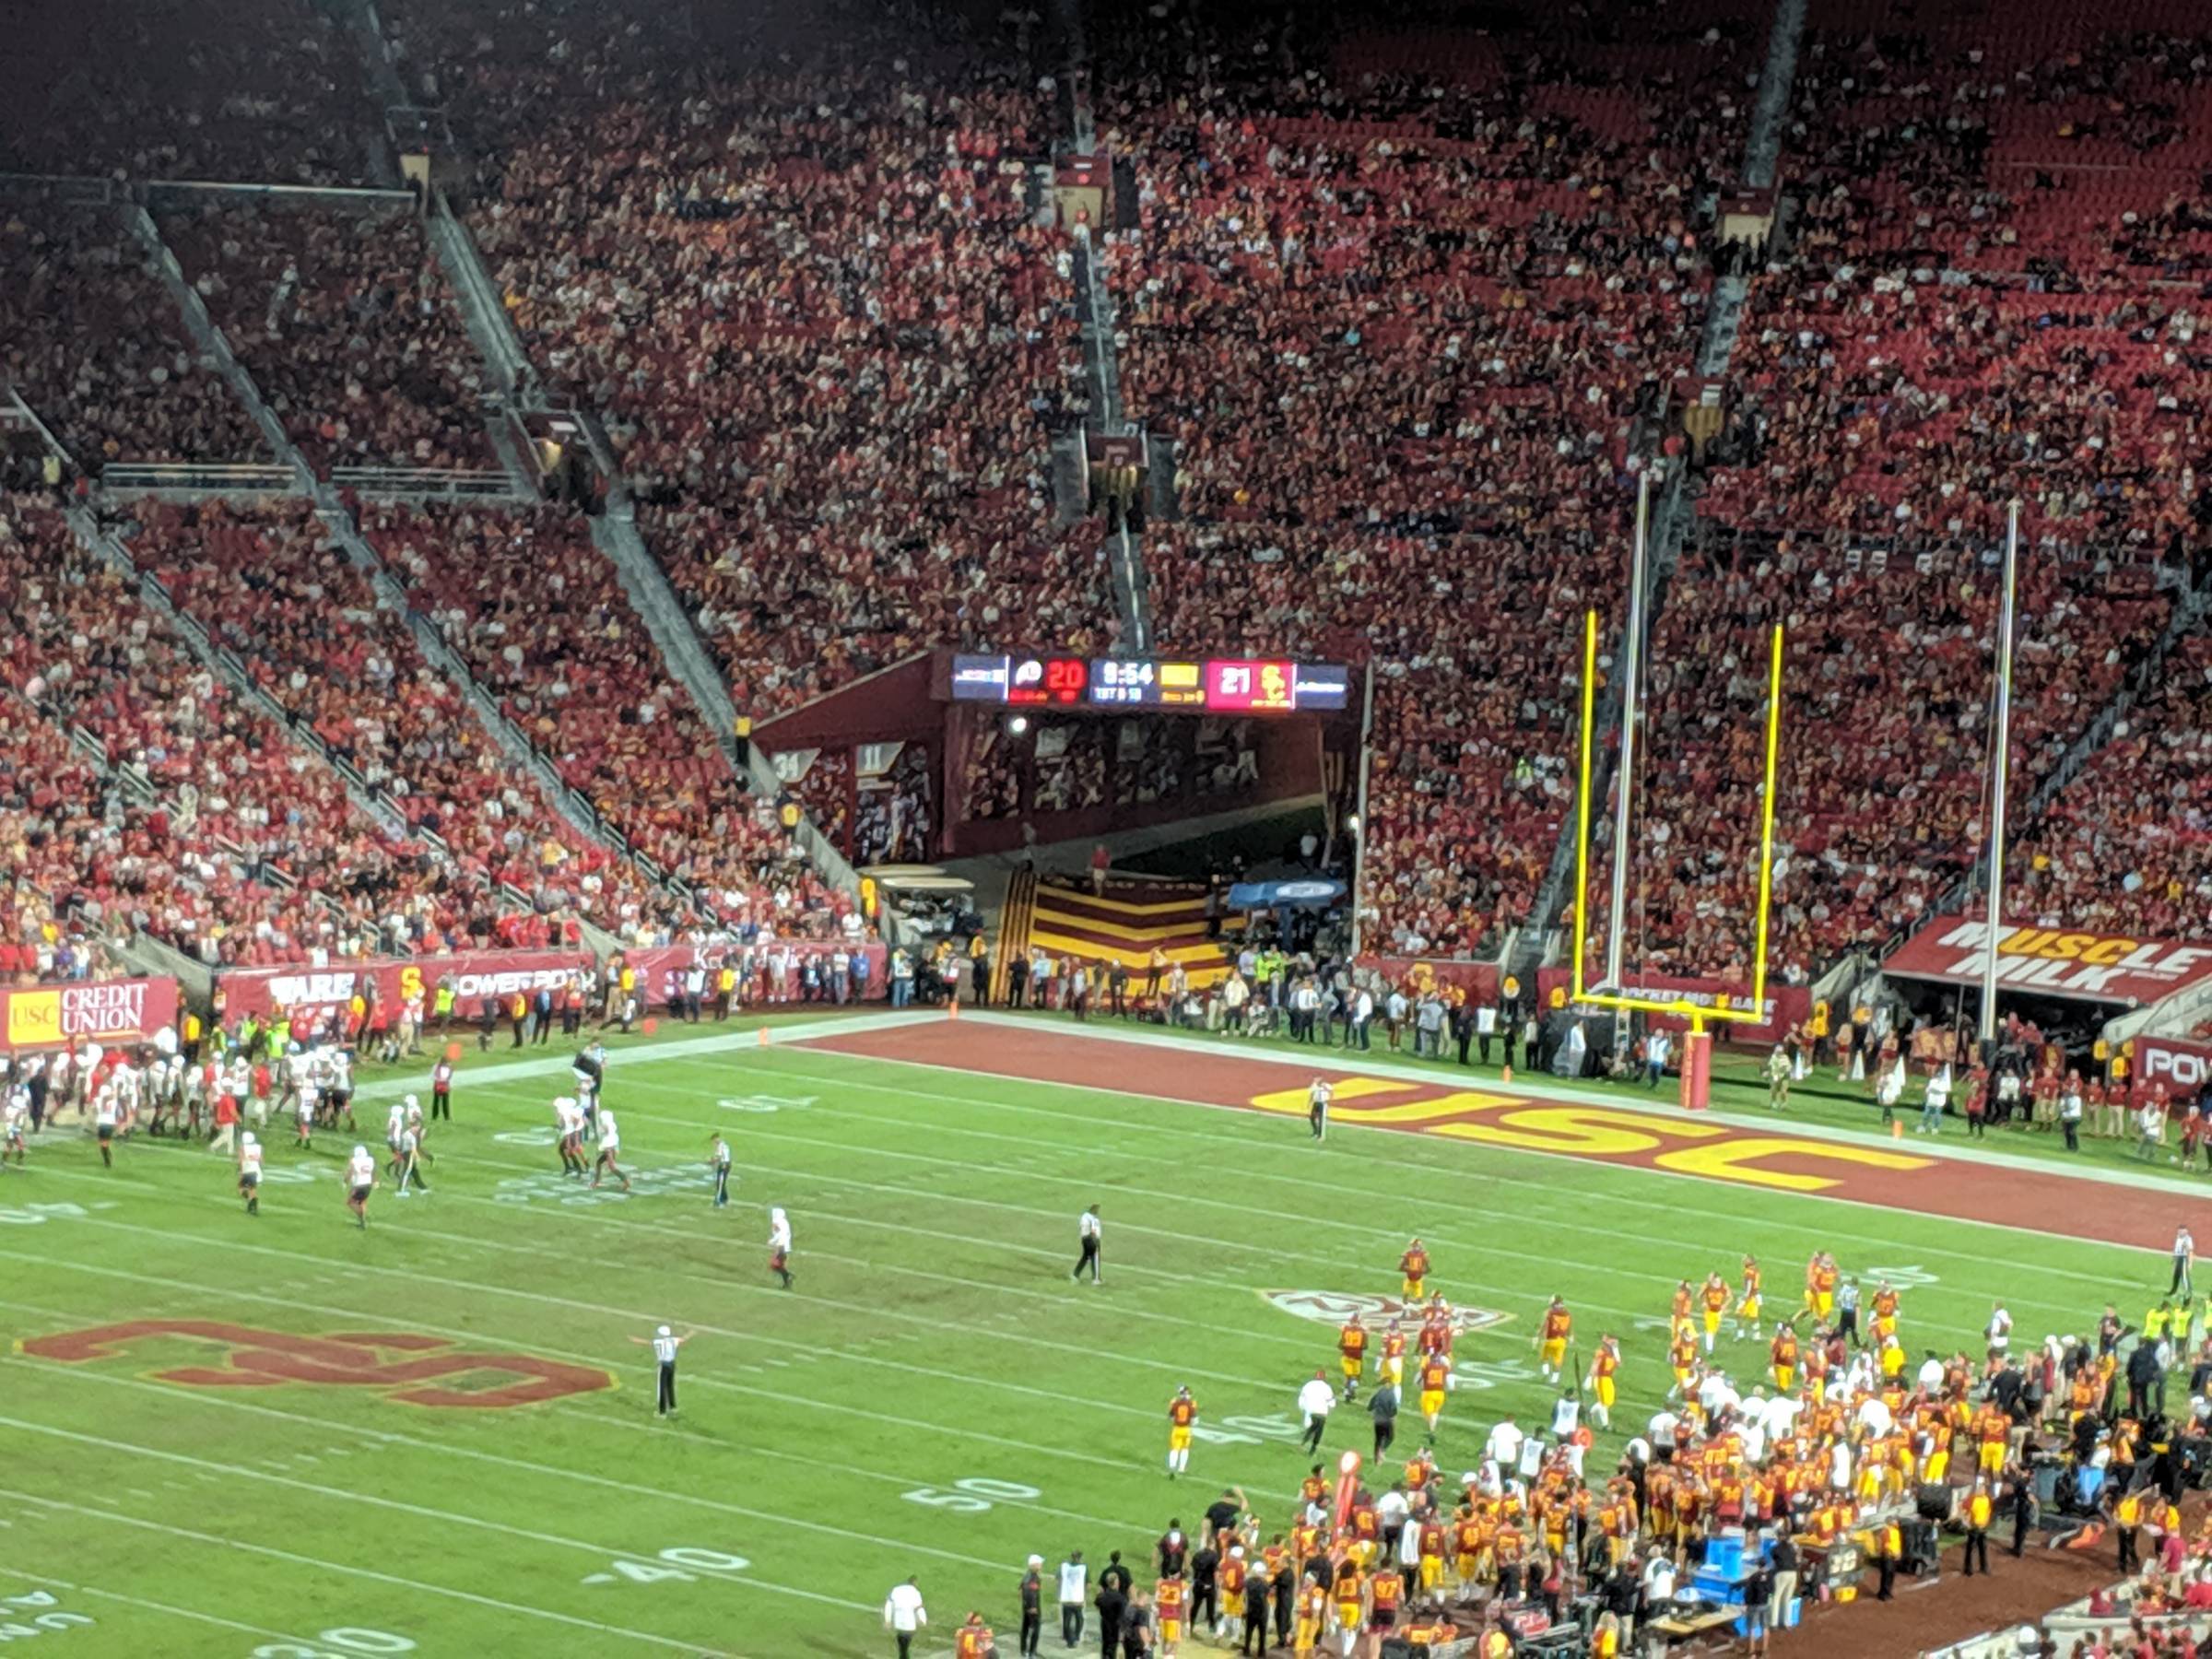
933,1397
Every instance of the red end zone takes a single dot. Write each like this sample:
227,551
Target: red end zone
1743,1156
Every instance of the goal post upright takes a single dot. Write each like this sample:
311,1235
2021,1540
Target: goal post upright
1697,1051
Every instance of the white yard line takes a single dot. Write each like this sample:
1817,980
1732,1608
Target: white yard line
171,1393
419,1586
787,1399
1306,1061
1607,1239
154,1607
2202,1194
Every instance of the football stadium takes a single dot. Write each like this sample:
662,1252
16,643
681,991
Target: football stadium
905,829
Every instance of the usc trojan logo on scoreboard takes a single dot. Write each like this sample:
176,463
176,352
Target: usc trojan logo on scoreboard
422,1370
1687,1146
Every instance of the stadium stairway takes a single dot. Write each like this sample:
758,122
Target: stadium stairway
1674,508
1124,924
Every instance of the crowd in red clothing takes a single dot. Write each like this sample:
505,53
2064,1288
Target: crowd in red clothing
268,91
1408,312
2128,844
1993,289
204,828
346,325
90,340
1886,717
814,301
538,613
272,586
1407,306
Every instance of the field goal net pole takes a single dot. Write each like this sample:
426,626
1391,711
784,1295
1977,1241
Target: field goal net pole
1697,1048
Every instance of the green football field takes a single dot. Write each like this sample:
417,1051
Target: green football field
933,1397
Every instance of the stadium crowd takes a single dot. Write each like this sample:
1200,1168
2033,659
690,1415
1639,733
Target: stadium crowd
833,335
347,326
90,339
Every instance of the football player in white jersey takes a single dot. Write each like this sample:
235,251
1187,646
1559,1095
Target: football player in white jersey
303,1108
338,1083
361,1180
104,1113
395,1120
406,1163
249,1173
415,1129
778,1245
610,1144
568,1123
14,1117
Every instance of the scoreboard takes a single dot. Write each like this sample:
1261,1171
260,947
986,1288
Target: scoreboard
1202,686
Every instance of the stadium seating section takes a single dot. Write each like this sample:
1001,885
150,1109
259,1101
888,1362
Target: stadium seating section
1408,304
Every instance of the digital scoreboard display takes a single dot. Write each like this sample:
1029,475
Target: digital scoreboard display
1205,686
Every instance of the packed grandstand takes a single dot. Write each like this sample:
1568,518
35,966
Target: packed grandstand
442,440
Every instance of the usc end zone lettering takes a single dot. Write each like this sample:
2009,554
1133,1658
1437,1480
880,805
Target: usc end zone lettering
1783,1162
258,1359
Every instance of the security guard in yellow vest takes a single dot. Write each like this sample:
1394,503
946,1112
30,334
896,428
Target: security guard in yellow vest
1978,1507
2127,1516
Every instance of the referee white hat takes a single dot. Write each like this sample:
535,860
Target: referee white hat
663,1330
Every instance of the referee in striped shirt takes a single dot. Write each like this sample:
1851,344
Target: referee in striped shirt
1087,1232
664,1343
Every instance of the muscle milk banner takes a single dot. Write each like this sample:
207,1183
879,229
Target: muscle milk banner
476,974
2053,961
107,1011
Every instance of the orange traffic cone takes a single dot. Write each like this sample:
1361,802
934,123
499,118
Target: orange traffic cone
1505,1074
763,1036
952,1007
1897,1130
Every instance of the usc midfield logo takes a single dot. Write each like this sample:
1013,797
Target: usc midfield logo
258,1359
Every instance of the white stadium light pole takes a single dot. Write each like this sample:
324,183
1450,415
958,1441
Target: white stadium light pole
1630,698
1999,767
1367,748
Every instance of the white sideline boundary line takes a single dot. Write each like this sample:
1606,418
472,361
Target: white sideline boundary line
559,1061
293,1559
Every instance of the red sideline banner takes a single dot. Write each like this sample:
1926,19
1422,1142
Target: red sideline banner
476,974
1786,1004
2183,1067
107,1011
2053,961
1478,979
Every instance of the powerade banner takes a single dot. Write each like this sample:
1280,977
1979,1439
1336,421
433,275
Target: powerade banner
2054,962
476,974
1786,1004
107,1011
2183,1067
